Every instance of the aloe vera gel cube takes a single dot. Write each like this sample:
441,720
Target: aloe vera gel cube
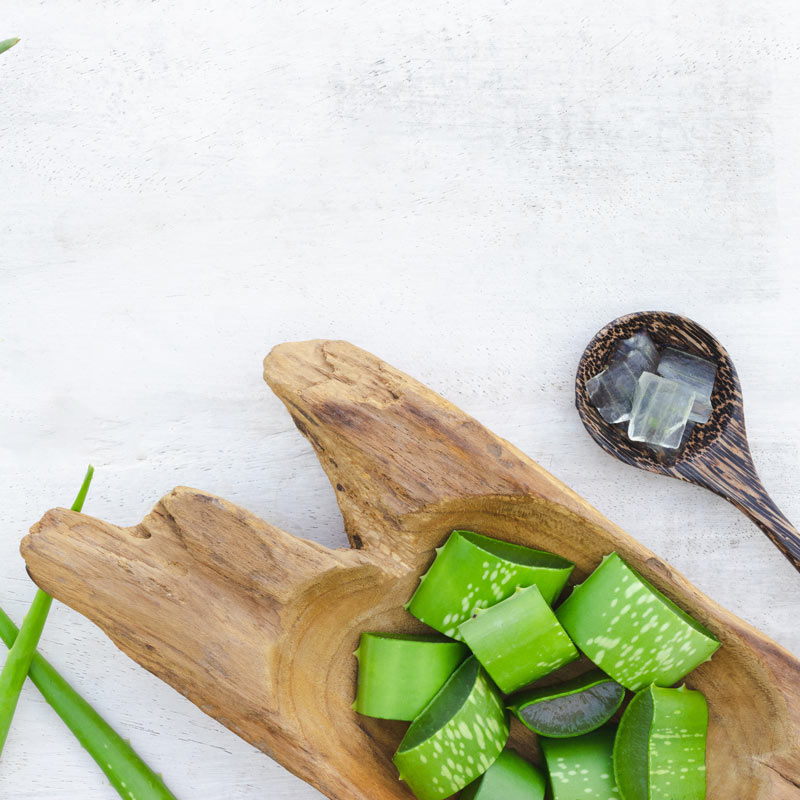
398,675
611,391
660,411
696,373
511,777
638,352
456,738
630,630
660,748
640,345
473,571
582,768
518,640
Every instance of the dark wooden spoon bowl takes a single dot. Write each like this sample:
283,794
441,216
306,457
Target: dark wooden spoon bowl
717,455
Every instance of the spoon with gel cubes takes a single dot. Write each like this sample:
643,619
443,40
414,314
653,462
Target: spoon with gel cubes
659,392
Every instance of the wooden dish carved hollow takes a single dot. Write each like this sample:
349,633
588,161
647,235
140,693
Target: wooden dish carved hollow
258,627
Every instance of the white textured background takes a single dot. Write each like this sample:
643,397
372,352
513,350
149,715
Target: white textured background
468,189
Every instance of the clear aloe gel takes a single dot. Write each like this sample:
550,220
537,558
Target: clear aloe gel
581,768
654,405
511,777
571,708
660,411
398,674
631,631
456,738
664,453
639,351
473,571
518,640
612,391
659,752
696,373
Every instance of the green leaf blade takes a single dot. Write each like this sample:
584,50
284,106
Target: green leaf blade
20,656
7,44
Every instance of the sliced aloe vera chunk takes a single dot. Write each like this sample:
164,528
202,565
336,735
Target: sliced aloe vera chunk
571,708
518,640
631,631
511,777
660,749
473,571
399,674
582,768
456,738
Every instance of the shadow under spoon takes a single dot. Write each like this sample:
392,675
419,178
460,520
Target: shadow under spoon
716,455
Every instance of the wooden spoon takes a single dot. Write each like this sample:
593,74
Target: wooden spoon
258,627
717,455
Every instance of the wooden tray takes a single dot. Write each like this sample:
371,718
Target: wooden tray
258,627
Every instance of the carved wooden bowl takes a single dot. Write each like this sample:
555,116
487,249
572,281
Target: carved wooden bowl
258,627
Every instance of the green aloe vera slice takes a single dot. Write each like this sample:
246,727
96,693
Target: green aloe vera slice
398,674
582,768
571,708
518,640
511,777
456,738
473,571
631,631
660,749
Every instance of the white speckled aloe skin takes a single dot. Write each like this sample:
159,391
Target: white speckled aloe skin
631,631
456,738
582,767
660,749
511,777
473,571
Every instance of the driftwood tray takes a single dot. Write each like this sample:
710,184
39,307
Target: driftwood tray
258,627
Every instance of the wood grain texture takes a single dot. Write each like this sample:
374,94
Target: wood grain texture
717,453
258,627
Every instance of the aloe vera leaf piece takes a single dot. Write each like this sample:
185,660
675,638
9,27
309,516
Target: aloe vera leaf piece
473,571
659,752
632,631
511,777
519,640
571,708
398,674
582,768
456,738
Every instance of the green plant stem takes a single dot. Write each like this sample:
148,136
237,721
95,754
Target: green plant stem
128,774
19,660
21,653
7,44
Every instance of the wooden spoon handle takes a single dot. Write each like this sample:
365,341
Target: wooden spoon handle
759,506
731,474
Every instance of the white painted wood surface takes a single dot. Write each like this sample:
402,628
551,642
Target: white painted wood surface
469,189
